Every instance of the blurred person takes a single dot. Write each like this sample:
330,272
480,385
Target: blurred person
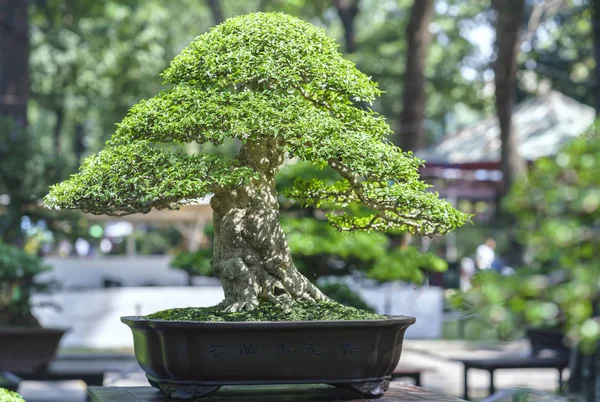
485,255
467,269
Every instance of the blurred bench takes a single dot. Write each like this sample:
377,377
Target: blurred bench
559,363
409,372
89,368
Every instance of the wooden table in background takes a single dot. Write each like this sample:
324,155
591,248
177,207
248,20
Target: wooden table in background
398,392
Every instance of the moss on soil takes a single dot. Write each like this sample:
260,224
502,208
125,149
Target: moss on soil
266,311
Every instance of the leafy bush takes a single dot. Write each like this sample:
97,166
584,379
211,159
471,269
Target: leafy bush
406,264
17,270
341,293
559,217
10,396
194,263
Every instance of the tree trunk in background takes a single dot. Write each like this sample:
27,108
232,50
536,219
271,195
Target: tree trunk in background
411,135
14,94
348,10
596,25
14,59
508,27
216,10
79,142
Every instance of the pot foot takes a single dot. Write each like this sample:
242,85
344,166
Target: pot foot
184,391
370,389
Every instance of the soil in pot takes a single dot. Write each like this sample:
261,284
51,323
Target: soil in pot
266,311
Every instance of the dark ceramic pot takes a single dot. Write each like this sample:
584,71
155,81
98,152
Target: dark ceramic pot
27,350
192,359
551,339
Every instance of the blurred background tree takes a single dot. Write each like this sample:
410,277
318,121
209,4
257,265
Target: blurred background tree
559,221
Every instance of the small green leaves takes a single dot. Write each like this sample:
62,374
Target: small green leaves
256,78
136,177
273,50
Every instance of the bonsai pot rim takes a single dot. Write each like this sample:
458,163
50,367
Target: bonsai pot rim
390,320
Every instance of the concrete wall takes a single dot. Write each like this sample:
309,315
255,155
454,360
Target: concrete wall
94,314
74,273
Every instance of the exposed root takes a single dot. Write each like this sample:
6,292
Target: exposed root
281,293
247,305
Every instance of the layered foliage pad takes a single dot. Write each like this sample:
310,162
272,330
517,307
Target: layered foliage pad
559,212
257,77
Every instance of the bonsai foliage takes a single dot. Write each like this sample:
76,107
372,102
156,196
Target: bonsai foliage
559,211
278,85
17,270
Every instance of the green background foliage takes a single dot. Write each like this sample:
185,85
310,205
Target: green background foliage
559,221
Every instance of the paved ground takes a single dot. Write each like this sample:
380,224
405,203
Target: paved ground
442,375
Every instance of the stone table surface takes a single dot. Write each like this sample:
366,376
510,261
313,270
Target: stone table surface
398,392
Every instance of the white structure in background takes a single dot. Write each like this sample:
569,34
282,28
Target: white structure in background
93,315
85,273
133,270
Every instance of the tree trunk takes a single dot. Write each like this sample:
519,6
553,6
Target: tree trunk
14,95
348,10
508,26
216,10
79,142
14,60
250,253
59,113
596,25
411,135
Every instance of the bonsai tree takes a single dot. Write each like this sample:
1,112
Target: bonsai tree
279,86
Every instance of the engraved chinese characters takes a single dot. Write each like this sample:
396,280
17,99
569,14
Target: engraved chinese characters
314,348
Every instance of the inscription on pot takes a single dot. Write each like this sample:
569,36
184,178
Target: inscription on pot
346,349
248,349
315,348
283,348
217,351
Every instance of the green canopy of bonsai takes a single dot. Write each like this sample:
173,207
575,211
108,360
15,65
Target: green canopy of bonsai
254,77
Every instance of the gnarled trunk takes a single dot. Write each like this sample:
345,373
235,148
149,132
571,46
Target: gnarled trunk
250,253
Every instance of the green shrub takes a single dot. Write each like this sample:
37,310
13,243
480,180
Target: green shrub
341,293
559,220
17,270
10,396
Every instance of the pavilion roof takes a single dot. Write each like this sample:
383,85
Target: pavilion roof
542,124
